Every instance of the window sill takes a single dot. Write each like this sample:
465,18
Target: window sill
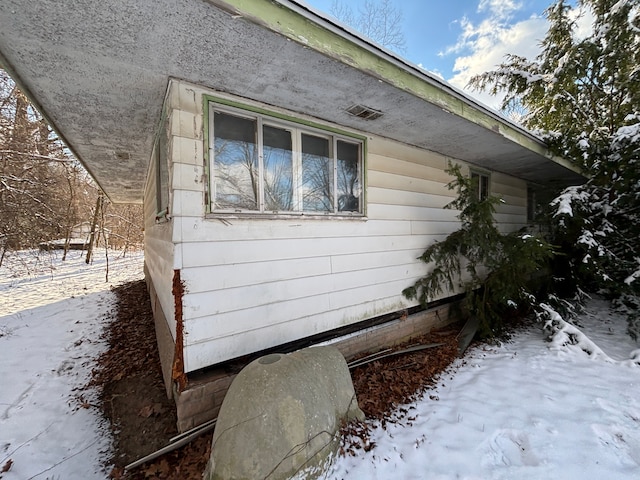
284,216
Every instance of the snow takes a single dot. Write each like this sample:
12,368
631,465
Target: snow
564,201
634,276
525,409
51,317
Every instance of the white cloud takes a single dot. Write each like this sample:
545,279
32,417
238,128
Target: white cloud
482,46
499,8
434,71
488,44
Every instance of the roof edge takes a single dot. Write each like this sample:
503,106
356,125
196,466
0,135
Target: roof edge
331,37
6,65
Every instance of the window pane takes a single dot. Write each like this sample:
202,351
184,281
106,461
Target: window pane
348,177
278,174
317,175
480,184
162,174
484,187
235,165
475,184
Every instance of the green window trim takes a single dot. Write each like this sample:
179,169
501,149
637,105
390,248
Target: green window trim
263,163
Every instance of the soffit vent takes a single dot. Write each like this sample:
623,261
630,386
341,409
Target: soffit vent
364,112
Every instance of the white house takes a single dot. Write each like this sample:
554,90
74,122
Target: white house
291,170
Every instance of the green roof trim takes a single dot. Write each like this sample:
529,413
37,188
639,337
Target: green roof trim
302,26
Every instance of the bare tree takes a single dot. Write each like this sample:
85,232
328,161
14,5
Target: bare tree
45,193
380,20
123,226
29,159
97,215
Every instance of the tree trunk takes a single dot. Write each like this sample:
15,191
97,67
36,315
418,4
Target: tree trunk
94,224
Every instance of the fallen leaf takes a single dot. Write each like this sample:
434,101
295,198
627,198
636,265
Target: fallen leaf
146,411
7,466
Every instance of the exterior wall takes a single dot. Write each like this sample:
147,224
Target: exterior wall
158,267
512,214
252,283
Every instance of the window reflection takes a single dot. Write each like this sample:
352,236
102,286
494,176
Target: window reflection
278,172
263,164
317,175
235,162
348,177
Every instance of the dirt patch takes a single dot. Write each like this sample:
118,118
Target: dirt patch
129,378
143,418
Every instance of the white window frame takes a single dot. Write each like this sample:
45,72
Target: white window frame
161,175
481,174
297,128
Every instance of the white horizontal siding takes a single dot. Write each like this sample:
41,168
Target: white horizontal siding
200,279
158,250
511,215
199,229
251,251
222,301
256,282
188,177
388,196
207,352
409,213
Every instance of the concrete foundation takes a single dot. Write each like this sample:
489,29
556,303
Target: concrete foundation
166,343
202,399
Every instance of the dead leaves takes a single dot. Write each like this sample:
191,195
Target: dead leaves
381,387
384,384
151,410
131,338
6,467
129,379
160,469
384,387
186,463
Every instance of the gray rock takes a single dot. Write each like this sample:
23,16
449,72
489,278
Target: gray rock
282,415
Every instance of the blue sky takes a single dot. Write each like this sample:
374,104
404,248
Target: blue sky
457,39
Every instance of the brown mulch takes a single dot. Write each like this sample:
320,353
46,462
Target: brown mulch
133,396
134,400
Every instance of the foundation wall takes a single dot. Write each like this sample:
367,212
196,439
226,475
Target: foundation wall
201,400
166,344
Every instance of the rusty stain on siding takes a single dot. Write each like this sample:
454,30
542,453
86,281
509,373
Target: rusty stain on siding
177,370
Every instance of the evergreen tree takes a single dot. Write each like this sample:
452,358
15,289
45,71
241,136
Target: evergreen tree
496,271
582,95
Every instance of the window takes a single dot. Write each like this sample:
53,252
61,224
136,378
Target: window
480,182
268,165
162,175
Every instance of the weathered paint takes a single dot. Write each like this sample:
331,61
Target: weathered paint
392,70
259,280
100,61
177,371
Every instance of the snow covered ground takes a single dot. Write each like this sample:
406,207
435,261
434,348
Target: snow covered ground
51,317
528,409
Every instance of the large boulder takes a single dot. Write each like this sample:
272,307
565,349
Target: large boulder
282,416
